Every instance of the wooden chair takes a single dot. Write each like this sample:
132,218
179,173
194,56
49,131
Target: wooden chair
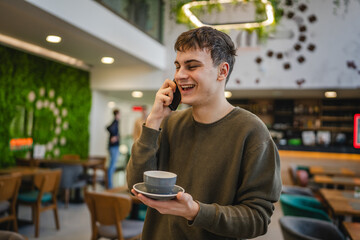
9,189
43,197
108,212
72,177
102,167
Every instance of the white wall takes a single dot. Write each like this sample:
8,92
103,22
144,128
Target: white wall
336,37
136,77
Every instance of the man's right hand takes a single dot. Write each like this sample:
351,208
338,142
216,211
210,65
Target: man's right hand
160,109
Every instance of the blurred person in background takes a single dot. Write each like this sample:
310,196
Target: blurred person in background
114,142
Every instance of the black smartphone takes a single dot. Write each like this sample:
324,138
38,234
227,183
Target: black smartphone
176,100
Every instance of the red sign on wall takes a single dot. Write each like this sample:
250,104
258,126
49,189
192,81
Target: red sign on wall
21,143
357,130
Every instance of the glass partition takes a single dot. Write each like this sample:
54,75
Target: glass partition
147,15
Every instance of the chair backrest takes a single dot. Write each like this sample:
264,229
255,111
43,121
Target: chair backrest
292,173
297,190
108,209
9,186
48,181
70,157
302,228
302,206
102,161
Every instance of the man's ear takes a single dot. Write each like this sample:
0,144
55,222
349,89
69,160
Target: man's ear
223,71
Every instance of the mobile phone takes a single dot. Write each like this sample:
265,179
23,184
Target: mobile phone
176,99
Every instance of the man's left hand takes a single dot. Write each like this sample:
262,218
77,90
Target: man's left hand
183,205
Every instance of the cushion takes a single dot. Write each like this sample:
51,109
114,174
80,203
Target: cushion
32,196
4,206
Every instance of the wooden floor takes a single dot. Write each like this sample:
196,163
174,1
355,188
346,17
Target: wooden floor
75,220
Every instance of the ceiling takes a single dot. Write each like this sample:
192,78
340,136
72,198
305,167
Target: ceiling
25,22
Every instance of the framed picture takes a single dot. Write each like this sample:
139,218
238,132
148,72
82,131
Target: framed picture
357,130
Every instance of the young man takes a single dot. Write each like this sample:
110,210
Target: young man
114,142
224,156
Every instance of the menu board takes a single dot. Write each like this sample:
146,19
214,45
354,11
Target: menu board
357,130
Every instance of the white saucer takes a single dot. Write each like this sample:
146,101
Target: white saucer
140,188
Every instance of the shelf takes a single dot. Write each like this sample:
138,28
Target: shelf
337,129
342,108
283,113
332,118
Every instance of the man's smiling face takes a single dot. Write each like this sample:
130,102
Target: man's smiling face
196,76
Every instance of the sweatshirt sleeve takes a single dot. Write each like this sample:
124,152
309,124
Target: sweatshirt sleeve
260,187
143,155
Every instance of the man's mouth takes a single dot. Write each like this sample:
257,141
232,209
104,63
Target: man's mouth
187,87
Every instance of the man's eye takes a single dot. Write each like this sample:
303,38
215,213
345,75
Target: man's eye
192,67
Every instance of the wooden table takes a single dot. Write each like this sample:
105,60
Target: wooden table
352,229
23,170
349,182
36,162
341,202
331,171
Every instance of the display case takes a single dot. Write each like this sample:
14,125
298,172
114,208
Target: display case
308,124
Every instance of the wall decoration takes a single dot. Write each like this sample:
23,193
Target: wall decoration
51,103
51,108
295,11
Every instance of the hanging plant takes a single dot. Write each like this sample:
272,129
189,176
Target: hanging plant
208,7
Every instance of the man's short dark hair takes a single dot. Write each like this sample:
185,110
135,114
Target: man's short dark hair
116,112
220,45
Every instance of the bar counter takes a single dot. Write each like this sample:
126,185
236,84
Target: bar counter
331,149
320,155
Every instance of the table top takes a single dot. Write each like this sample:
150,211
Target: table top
341,202
23,170
83,162
325,170
352,229
337,180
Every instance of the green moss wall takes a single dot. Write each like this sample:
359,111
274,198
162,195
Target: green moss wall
45,100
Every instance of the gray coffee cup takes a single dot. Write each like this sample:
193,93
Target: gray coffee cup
159,182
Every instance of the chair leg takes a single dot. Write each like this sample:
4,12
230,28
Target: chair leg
37,220
15,224
106,180
94,179
33,213
56,218
67,197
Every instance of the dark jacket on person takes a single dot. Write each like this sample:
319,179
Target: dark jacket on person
113,129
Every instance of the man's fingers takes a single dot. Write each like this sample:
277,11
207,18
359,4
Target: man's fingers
169,83
165,96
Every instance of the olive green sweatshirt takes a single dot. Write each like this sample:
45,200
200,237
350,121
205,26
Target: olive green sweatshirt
230,167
